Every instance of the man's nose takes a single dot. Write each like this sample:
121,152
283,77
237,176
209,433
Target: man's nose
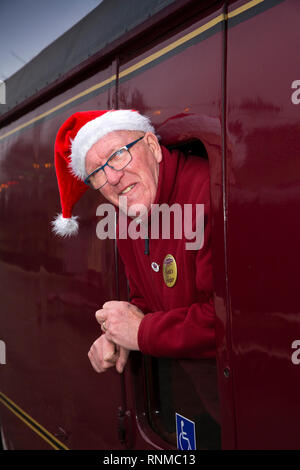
113,176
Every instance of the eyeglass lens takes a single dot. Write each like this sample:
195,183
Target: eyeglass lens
118,161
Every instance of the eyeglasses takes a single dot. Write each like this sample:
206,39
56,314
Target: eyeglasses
117,161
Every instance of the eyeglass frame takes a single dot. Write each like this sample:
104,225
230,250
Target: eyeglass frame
125,147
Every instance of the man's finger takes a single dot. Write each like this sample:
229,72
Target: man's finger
109,304
122,359
99,351
93,362
112,304
104,326
111,357
109,352
100,315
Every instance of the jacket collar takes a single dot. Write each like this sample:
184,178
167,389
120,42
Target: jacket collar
168,169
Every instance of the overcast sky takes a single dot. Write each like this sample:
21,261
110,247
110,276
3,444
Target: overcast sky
28,26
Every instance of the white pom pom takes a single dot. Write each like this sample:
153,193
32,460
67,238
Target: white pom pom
65,227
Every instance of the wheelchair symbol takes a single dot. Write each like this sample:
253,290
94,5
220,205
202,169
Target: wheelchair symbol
185,433
184,442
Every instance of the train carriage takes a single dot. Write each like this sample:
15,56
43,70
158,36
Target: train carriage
218,79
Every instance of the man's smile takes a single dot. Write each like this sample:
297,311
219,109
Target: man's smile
127,189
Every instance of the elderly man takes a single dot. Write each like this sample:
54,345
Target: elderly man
118,154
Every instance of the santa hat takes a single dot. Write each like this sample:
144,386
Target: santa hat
74,139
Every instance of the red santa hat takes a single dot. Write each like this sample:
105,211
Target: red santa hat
74,139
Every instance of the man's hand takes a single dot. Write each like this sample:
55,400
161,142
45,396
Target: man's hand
104,354
120,321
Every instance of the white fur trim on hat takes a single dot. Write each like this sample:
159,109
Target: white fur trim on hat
93,130
65,227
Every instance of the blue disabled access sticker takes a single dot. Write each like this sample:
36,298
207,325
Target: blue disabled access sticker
185,432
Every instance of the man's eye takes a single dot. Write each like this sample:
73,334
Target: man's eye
117,155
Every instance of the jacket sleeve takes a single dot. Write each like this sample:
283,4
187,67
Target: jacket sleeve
179,333
186,332
135,296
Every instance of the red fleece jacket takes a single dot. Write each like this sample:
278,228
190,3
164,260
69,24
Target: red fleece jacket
179,321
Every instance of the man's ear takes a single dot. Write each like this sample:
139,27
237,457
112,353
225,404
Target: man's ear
154,145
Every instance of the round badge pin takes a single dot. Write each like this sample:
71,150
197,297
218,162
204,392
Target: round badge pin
169,270
155,267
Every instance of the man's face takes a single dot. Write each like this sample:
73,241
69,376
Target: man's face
138,180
